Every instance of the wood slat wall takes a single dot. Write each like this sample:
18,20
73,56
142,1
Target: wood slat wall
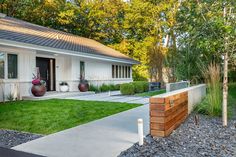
166,114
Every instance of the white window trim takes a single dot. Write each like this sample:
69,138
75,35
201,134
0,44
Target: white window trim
6,65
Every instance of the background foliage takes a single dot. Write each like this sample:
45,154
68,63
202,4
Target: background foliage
172,39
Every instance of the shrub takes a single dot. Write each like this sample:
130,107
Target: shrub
141,86
138,87
112,87
127,89
117,87
145,86
104,88
94,88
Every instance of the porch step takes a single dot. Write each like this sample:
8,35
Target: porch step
57,95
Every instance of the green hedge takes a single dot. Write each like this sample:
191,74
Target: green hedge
127,89
134,87
104,88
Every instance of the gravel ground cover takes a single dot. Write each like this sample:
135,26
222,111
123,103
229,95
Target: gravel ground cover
10,138
209,138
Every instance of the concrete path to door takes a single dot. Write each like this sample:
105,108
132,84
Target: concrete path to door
106,137
113,96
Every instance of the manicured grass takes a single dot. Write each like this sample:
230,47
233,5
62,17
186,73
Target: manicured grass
50,116
152,93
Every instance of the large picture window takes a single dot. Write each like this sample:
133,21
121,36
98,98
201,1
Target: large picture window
12,66
119,71
2,62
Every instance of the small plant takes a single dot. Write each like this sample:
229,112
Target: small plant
10,97
37,81
104,88
63,83
94,88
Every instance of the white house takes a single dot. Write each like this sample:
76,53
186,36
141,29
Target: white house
60,56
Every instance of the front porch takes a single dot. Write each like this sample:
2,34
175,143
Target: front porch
57,95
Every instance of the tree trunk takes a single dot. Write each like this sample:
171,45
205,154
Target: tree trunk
225,89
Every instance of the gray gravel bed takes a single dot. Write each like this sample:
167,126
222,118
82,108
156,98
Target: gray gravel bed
11,138
209,138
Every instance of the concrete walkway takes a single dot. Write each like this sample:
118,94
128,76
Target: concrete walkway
106,137
112,97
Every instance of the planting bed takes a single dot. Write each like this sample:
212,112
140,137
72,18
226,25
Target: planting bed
209,138
10,138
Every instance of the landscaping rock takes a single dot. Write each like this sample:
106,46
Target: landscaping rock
10,138
209,138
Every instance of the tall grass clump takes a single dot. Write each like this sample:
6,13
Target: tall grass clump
212,104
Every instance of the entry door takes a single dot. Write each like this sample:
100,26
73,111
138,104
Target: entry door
46,68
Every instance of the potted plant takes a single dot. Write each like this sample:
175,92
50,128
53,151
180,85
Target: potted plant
64,87
39,86
83,85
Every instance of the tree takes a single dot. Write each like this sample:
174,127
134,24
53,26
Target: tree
205,31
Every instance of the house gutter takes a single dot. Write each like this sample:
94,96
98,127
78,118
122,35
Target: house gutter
65,52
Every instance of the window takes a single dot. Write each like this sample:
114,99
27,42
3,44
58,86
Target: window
12,66
128,72
82,70
123,72
119,71
2,59
113,71
116,71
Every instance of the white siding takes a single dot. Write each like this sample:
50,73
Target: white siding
97,72
26,67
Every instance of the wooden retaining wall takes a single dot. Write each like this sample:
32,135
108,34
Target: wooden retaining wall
167,113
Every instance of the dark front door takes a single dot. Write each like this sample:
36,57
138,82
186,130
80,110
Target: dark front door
46,68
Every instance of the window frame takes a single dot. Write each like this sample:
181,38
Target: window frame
5,76
17,66
4,65
82,68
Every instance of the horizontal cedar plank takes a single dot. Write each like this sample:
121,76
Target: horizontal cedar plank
157,133
154,100
160,107
157,126
157,120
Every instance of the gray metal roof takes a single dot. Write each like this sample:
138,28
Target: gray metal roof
20,31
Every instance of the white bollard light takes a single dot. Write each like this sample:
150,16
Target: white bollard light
140,131
109,93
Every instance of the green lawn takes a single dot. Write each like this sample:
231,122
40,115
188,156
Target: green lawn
50,116
152,93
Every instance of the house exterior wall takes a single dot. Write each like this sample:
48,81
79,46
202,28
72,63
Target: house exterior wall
96,72
26,66
67,68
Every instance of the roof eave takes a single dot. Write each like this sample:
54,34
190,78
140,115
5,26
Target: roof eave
66,52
